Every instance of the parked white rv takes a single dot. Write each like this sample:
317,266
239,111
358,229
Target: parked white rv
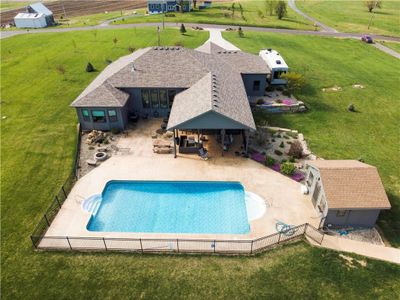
276,64
27,20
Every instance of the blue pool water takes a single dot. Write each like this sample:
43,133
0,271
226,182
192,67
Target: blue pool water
171,207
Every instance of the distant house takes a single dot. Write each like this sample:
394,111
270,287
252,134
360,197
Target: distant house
206,4
27,20
205,89
277,65
161,6
346,192
41,8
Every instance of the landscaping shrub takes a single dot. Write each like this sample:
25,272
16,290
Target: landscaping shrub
282,145
182,29
89,68
115,131
292,159
351,108
278,101
269,161
288,168
286,137
269,88
286,92
296,149
131,49
278,152
260,101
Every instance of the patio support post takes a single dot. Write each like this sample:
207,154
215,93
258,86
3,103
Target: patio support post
247,134
174,144
222,140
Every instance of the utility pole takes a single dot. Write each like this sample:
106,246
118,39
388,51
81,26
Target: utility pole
158,35
163,16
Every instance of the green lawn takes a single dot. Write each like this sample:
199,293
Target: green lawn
353,16
37,151
331,131
94,19
219,14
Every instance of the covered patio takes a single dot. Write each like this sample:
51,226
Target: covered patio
207,110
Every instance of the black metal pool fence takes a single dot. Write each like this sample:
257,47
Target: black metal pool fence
232,246
144,245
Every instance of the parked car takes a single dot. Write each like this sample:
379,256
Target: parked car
367,39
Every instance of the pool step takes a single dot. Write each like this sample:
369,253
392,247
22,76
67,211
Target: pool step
92,204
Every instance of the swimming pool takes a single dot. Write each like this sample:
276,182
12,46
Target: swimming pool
170,207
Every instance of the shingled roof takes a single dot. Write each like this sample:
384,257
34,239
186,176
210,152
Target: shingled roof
350,184
176,67
103,96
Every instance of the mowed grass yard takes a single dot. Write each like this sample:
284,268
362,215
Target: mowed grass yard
38,137
353,15
331,131
254,12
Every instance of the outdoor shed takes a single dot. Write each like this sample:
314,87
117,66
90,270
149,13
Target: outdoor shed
25,20
346,192
40,8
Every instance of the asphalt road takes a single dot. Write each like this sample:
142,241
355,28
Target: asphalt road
9,33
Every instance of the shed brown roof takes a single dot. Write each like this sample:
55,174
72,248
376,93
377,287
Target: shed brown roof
350,184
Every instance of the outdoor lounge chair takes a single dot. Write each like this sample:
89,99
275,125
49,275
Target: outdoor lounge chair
203,153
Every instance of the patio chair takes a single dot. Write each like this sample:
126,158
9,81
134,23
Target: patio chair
203,153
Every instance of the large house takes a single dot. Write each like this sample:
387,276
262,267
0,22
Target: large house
346,192
205,89
161,6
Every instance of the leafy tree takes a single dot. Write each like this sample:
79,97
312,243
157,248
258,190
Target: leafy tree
295,81
115,41
280,9
89,68
233,8
74,44
182,29
194,3
269,7
240,32
61,70
260,14
371,5
241,11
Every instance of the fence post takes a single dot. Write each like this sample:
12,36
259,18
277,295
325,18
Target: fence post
105,245
141,246
65,194
305,229
70,247
279,238
33,242
58,202
251,249
47,221
177,244
215,245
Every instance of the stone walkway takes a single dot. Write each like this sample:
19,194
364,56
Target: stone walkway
216,38
361,248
